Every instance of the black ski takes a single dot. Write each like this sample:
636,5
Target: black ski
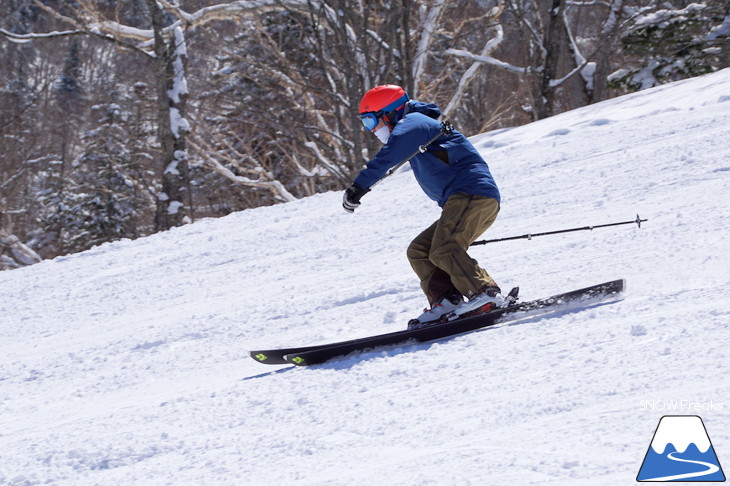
278,356
311,355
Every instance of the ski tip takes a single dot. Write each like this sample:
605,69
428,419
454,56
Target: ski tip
258,356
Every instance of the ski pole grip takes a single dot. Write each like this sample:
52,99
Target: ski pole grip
447,128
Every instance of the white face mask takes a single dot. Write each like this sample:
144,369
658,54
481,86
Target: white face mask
383,134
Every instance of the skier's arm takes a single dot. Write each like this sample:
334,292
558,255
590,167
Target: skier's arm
407,136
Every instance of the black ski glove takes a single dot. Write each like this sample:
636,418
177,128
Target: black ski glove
351,197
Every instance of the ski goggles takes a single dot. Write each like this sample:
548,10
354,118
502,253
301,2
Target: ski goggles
370,120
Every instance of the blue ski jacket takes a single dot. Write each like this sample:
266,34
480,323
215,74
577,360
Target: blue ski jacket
451,164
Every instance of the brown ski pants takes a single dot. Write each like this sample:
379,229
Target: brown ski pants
438,255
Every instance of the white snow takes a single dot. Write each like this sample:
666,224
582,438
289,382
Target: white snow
665,17
172,167
681,431
174,207
720,31
127,364
178,123
124,30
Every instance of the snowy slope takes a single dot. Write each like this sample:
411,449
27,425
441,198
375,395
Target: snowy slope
127,364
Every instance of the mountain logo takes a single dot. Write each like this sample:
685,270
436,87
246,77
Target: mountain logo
681,451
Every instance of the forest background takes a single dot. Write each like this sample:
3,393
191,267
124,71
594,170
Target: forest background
119,119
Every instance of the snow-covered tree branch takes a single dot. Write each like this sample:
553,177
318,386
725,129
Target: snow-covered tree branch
118,119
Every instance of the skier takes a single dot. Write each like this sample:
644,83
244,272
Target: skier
452,173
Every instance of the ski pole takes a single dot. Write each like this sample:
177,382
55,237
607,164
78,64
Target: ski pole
446,129
529,236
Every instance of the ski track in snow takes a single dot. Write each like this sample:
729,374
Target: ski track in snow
128,364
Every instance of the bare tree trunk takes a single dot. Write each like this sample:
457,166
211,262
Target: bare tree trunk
170,64
554,40
605,50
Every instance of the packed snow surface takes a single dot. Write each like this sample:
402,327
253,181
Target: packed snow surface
128,364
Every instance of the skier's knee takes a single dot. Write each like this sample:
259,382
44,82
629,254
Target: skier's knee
438,255
416,251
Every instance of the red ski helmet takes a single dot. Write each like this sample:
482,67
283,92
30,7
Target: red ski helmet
385,98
